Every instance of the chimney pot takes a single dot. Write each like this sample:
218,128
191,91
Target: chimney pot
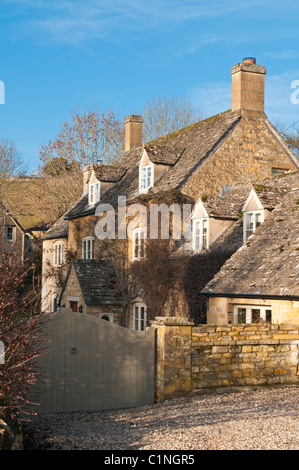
249,60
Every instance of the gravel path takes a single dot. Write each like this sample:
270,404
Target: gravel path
255,419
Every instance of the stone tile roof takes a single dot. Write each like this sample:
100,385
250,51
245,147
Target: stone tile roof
108,173
195,143
58,230
182,152
4,211
268,264
97,281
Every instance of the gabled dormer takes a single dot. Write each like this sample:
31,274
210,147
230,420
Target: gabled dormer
146,173
200,227
101,178
94,189
253,214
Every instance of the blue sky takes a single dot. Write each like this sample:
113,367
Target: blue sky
57,56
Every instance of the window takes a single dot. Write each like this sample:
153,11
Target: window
252,314
146,174
58,254
252,220
55,298
107,317
278,171
139,317
94,193
139,236
88,248
10,234
200,234
73,305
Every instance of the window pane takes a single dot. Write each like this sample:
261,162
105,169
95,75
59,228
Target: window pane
149,172
141,245
255,315
196,235
258,220
241,315
56,255
249,225
204,233
136,245
269,316
143,178
9,234
91,193
136,315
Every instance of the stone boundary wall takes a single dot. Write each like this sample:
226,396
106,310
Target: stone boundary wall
191,358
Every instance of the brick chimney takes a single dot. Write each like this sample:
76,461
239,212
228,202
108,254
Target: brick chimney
248,85
133,132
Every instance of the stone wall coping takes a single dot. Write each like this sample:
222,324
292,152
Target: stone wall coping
172,321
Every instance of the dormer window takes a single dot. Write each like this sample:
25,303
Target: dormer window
146,175
200,227
94,193
200,234
253,214
252,220
10,234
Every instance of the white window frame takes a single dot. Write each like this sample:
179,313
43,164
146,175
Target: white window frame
255,223
13,233
139,234
88,248
248,312
200,234
58,255
94,193
139,317
146,177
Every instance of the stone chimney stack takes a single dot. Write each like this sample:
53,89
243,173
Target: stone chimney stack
248,86
86,175
133,132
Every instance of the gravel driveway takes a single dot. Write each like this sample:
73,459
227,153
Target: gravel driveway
251,419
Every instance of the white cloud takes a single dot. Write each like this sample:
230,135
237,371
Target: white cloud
286,54
77,21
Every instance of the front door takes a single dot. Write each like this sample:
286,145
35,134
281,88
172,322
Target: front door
74,305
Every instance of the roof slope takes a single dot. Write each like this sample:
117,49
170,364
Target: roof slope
268,264
182,151
97,281
58,230
195,143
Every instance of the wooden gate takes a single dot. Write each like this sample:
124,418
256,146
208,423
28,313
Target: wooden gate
92,364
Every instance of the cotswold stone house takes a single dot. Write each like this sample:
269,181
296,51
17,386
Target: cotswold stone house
202,162
14,241
260,282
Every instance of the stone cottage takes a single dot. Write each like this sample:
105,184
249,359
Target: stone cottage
260,282
14,241
202,162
